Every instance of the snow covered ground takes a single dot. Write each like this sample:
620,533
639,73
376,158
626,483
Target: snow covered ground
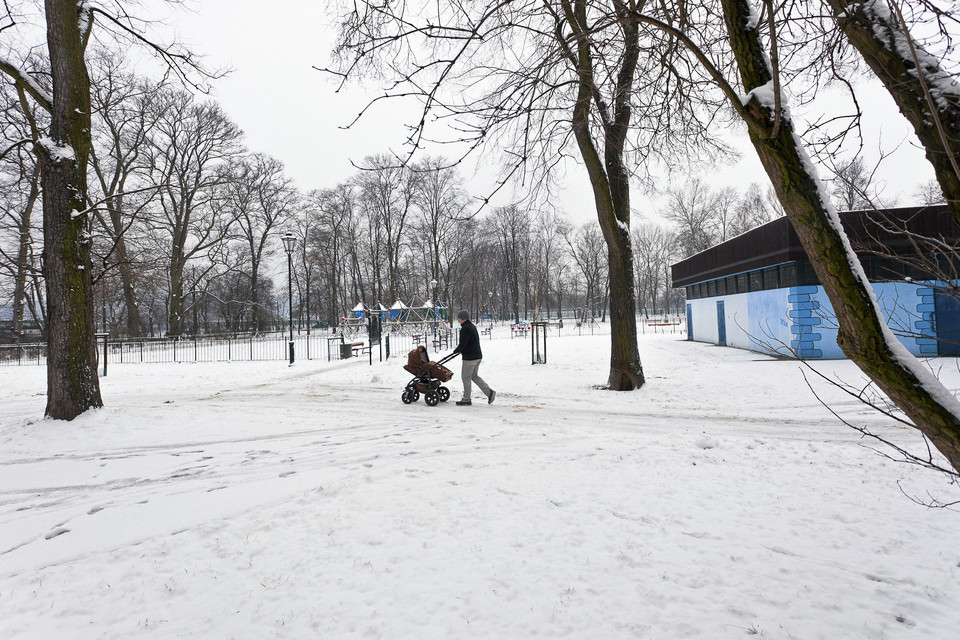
253,500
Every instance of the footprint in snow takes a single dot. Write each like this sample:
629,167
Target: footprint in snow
59,531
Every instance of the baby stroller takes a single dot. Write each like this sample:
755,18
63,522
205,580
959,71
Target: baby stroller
427,379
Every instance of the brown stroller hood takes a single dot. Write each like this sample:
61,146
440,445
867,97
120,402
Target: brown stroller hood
418,362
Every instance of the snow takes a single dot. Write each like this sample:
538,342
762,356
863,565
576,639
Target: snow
57,152
256,500
764,94
754,18
887,30
25,78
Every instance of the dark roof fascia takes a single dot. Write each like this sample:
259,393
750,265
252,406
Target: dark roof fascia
779,243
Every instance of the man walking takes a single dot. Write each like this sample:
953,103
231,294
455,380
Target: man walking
469,350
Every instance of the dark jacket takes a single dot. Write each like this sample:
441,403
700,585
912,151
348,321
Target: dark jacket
469,346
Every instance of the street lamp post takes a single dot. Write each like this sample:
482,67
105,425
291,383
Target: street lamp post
490,306
289,242
433,288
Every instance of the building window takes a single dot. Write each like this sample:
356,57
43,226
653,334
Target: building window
872,268
788,275
711,288
731,285
756,280
770,279
742,283
721,287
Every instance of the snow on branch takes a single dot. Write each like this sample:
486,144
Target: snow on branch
22,79
55,151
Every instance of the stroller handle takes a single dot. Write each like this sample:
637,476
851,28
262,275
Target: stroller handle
448,358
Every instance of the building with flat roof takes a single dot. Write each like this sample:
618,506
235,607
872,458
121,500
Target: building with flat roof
758,291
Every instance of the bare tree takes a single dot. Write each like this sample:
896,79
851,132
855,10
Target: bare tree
584,245
62,151
756,207
511,229
441,203
19,199
547,253
123,119
260,198
387,194
187,152
539,79
927,94
929,193
691,208
851,188
331,243
863,334
653,246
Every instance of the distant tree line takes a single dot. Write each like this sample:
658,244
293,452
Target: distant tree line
186,226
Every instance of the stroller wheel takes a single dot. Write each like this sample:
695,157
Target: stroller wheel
432,398
407,397
444,394
415,395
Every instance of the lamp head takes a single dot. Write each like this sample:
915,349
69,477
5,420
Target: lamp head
289,242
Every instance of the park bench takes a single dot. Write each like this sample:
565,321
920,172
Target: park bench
359,348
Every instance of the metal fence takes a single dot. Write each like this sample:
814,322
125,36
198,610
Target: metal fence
317,346
20,354
194,349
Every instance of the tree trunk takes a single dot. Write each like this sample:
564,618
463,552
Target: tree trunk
23,256
863,336
127,279
134,320
175,321
626,371
255,297
72,383
611,190
515,285
882,40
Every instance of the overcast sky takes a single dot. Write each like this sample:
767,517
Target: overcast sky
291,111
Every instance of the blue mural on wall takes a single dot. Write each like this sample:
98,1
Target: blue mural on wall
800,321
942,330
804,313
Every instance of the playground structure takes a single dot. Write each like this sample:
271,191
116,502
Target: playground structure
400,318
